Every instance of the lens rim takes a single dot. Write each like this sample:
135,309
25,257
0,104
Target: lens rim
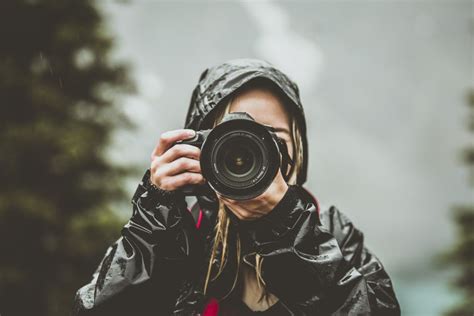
255,132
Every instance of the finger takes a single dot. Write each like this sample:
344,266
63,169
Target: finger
229,200
241,203
181,150
180,165
175,182
246,209
234,210
169,138
243,214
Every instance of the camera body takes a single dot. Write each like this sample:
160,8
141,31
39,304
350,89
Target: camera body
239,157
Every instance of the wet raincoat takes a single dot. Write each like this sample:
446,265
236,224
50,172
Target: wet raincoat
314,258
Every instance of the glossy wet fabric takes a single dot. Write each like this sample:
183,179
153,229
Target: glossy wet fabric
314,258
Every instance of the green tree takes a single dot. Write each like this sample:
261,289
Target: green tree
57,89
462,255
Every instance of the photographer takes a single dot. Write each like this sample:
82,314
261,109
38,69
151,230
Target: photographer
277,253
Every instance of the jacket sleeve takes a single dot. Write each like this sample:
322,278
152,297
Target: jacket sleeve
327,268
141,273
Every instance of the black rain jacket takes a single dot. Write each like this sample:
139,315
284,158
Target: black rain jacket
315,260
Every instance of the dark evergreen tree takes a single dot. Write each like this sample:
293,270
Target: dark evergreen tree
462,255
57,89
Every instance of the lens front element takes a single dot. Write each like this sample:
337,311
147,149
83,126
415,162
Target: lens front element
239,160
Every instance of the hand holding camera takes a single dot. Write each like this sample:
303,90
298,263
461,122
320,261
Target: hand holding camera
174,166
243,161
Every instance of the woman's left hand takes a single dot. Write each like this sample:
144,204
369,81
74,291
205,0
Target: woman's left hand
263,204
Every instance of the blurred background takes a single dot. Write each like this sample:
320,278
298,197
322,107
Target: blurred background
86,88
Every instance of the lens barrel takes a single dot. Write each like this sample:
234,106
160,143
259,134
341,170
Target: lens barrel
240,158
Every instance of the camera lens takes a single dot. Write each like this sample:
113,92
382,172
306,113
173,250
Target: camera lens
238,160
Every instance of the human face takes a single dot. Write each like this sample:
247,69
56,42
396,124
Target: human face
266,109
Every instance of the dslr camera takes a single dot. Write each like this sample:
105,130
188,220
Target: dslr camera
239,157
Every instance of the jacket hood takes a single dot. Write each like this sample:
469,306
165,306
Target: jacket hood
219,82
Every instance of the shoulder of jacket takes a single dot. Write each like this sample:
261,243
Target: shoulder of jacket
336,222
328,213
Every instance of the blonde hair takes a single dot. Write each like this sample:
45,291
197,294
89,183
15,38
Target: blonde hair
223,220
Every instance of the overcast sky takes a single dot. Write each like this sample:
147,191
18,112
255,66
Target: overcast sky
383,85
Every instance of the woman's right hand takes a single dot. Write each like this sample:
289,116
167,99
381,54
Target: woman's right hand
173,167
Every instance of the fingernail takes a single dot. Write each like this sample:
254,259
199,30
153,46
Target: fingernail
190,132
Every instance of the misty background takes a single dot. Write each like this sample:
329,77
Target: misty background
383,84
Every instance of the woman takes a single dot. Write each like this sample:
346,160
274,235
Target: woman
281,253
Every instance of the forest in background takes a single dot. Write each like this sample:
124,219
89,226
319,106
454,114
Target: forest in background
58,86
